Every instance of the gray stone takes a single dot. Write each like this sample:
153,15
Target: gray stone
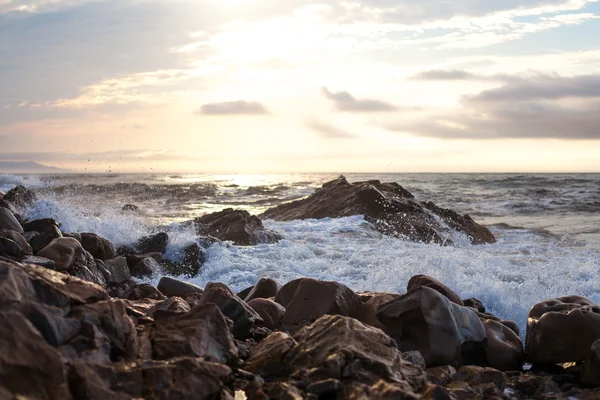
8,221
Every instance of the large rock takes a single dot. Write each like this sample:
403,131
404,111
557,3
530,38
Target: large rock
266,358
146,268
10,249
264,288
271,312
392,210
313,298
153,244
174,287
591,368
18,239
504,347
201,332
118,270
20,196
193,258
444,332
98,246
40,225
8,221
237,226
424,280
562,330
43,239
63,251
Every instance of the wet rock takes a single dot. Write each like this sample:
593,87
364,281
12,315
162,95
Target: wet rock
9,248
146,268
427,281
193,258
591,368
562,330
264,289
237,226
270,312
440,375
39,261
313,299
133,259
444,332
144,291
174,287
29,367
153,243
41,240
85,267
172,304
381,299
20,196
327,388
202,332
504,348
267,358
118,270
8,221
244,293
63,251
475,376
474,303
52,322
18,239
130,207
40,225
98,246
512,325
392,210
243,316
415,358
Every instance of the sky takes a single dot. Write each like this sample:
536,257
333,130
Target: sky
253,86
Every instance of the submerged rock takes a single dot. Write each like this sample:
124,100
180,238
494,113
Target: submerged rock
393,211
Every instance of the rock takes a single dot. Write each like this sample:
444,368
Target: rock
392,210
18,239
591,368
20,196
153,243
118,270
173,287
146,268
380,299
133,259
144,291
312,299
512,325
237,226
9,248
444,332
193,258
38,242
85,267
504,348
270,312
201,332
8,221
475,376
172,304
264,289
474,303
40,225
327,388
562,330
243,316
244,293
282,391
266,358
39,261
440,375
414,357
130,207
74,235
424,280
29,367
52,322
63,251
98,246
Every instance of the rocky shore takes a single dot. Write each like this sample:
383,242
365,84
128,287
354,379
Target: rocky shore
75,324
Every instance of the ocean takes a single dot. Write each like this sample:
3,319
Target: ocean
547,228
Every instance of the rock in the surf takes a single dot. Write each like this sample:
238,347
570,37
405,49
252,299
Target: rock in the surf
264,288
424,280
98,246
40,224
20,196
388,206
8,221
18,239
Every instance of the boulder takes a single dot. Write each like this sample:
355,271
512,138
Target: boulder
18,239
98,246
133,259
444,332
504,347
130,207
20,196
85,267
440,375
424,280
562,330
174,287
264,289
40,225
152,244
591,368
8,221
201,332
118,270
146,268
266,358
193,258
52,322
9,248
389,207
474,303
63,251
172,304
41,240
243,316
271,312
380,299
144,291
475,376
313,298
237,226
39,261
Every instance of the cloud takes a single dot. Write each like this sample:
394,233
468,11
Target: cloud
238,107
344,101
445,75
104,156
326,130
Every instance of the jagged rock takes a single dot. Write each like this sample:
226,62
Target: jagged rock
424,280
85,267
266,358
282,391
327,388
243,316
52,322
9,248
504,348
193,258
98,246
202,332
118,270
174,287
133,259
271,312
40,225
63,251
440,375
444,332
475,376
18,239
415,358
172,304
313,299
153,243
146,268
237,226
39,261
130,207
41,240
474,303
8,221
264,289
380,299
562,330
144,291
392,210
20,196
29,367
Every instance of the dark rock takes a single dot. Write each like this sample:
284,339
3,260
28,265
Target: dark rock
9,248
271,312
427,281
20,196
8,221
512,325
392,210
380,299
282,391
193,258
39,261
133,259
562,330
172,304
327,388
444,332
144,291
118,270
504,348
40,225
201,332
146,268
474,303
237,226
52,322
29,367
74,235
591,368
244,293
415,358
152,244
173,287
475,376
267,357
85,267
264,289
440,375
98,246
39,241
18,239
63,251
243,316
130,207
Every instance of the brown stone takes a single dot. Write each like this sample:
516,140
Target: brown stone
264,289
174,287
380,299
504,348
591,367
18,239
172,304
270,312
8,221
43,239
475,376
98,246
424,280
63,251
267,358
143,291
440,375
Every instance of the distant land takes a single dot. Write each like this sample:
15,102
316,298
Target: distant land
27,167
